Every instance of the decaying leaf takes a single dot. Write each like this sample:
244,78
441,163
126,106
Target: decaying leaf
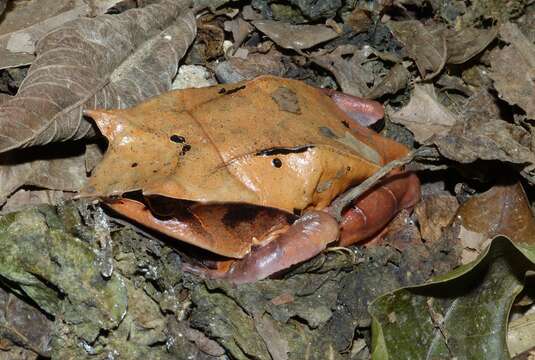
129,58
237,69
424,115
425,45
28,21
297,37
513,69
23,325
435,212
467,43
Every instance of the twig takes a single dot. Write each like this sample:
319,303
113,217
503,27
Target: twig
345,199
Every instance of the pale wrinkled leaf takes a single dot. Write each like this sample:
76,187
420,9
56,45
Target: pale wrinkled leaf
56,169
513,69
295,37
425,45
424,115
27,21
106,62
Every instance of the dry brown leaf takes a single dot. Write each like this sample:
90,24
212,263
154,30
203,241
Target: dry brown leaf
297,37
467,43
424,115
345,63
426,45
27,21
435,212
513,69
107,61
502,210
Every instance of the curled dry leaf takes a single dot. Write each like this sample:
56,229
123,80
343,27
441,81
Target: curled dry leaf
467,43
349,72
395,80
426,45
107,61
513,69
297,37
424,115
502,210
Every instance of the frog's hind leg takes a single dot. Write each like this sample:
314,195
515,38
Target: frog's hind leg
370,213
305,238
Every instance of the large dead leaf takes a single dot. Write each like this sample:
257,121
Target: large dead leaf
424,115
271,142
27,21
426,45
107,61
513,69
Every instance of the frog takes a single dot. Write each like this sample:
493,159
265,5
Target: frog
248,172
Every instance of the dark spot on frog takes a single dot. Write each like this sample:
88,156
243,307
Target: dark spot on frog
277,162
133,165
345,123
348,168
325,131
283,150
185,149
177,139
231,91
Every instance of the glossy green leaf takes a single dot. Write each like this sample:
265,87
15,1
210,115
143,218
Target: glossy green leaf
462,314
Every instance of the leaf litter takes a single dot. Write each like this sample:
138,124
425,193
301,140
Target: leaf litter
457,82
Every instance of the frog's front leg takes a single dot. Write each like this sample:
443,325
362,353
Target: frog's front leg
371,212
304,239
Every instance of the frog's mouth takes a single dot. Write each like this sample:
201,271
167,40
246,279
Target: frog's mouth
230,230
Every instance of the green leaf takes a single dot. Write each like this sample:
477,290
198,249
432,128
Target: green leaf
462,314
